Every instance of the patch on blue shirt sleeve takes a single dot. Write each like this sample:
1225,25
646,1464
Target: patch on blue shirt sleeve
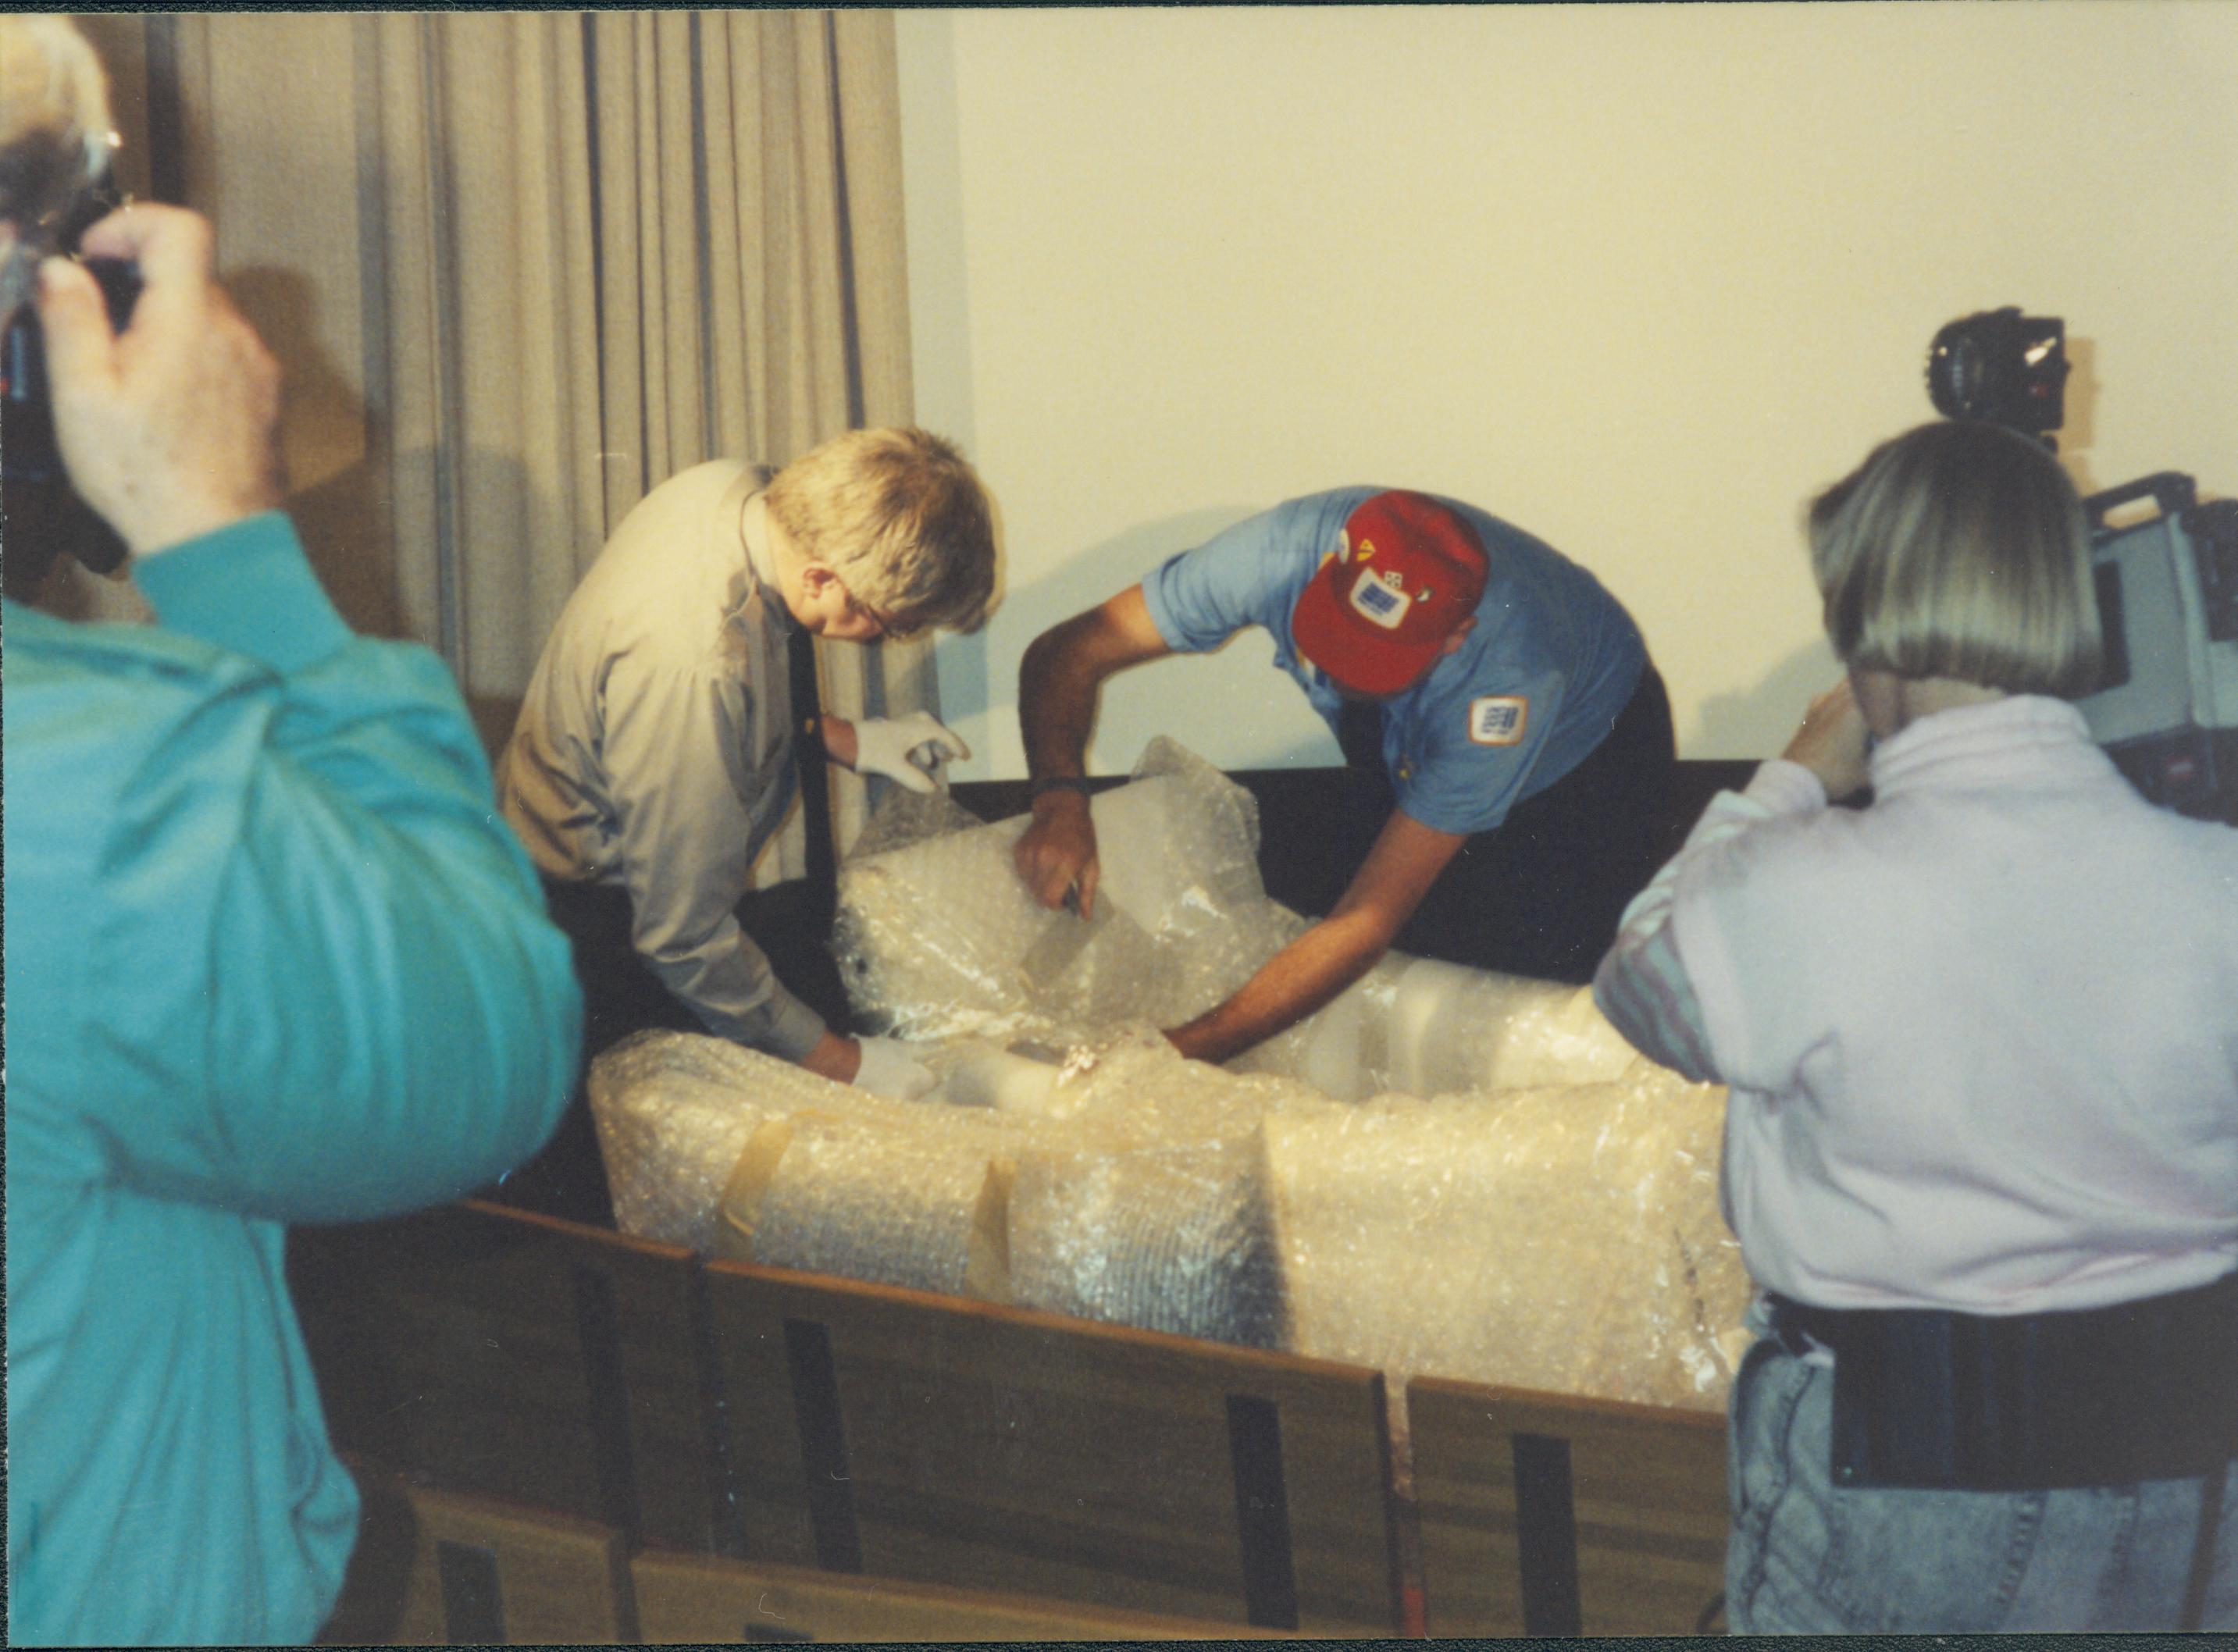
1499,719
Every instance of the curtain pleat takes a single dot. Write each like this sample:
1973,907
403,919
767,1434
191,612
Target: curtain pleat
551,260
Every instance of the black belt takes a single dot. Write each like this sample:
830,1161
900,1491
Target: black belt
2141,1390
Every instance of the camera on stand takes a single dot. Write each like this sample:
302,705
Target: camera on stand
2165,710
2004,366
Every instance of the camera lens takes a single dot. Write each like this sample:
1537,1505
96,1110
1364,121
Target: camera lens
2000,365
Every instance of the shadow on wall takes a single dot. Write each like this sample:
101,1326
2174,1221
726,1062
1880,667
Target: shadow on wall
347,516
1085,579
2081,408
1736,724
340,504
1080,582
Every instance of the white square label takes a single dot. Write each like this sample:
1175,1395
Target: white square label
1378,602
1497,719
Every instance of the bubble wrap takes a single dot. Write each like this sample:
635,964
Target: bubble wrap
1423,1027
935,930
1444,1172
1174,1238
896,1194
674,1111
1563,1237
1148,1207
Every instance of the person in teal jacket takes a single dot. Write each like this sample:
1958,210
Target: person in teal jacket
271,958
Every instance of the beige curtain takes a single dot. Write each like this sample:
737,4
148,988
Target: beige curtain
521,267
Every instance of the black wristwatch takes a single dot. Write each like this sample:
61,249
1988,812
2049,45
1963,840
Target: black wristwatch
1057,782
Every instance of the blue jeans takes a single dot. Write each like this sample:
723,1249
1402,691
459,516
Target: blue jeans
1808,1558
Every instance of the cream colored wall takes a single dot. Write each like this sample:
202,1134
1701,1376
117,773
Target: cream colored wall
1636,279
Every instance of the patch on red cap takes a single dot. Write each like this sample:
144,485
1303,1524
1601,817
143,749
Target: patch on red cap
1408,572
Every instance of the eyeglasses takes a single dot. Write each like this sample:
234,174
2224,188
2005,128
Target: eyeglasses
889,629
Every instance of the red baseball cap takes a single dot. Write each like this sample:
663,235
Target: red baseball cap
1407,573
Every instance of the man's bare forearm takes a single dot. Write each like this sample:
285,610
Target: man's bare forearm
1058,683
1064,669
1405,860
1301,978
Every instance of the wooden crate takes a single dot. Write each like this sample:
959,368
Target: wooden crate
696,1598
440,1569
924,1438
488,1350
823,1425
1546,1514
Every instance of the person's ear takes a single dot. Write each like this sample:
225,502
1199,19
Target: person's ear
1452,644
821,587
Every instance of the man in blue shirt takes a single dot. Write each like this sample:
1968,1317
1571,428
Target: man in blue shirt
1509,744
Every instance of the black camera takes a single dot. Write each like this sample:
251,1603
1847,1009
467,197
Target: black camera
2003,366
2165,710
40,513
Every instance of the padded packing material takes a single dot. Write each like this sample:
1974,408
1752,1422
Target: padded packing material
1170,1236
1423,1027
1565,1238
936,936
1444,1172
899,1193
1148,1206
1185,920
674,1111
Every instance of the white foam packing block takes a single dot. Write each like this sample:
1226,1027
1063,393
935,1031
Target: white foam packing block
974,1073
1565,1238
1339,1049
674,1112
905,1193
1449,1029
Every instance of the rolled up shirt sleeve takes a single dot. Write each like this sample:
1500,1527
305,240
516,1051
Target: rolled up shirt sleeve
677,763
1249,574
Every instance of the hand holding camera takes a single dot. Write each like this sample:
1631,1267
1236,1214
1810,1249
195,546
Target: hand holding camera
168,429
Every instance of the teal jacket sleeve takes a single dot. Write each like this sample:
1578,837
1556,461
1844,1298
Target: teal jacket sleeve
322,943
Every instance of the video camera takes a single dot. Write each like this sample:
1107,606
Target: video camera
41,514
2166,710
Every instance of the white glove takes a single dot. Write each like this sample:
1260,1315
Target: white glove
906,749
890,1069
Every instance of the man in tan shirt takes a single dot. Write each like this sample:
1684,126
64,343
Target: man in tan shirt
654,755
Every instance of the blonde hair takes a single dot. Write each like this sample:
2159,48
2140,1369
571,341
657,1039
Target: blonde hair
900,517
1959,550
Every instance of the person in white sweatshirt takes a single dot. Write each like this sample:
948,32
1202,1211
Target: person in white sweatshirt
1982,1147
